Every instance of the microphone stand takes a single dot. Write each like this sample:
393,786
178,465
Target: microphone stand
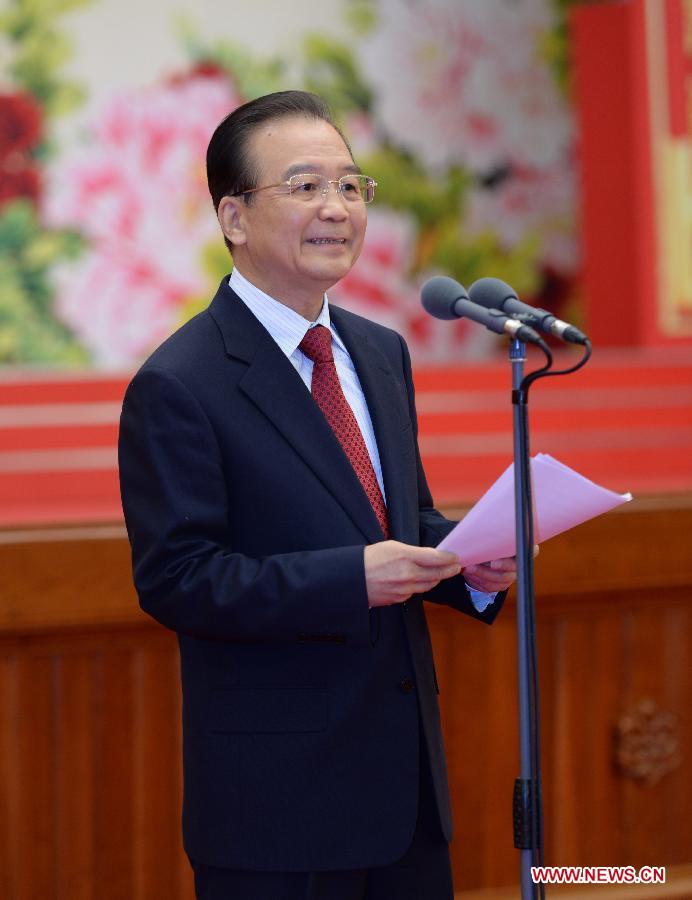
445,298
527,807
527,788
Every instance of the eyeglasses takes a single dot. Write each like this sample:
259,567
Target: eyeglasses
311,187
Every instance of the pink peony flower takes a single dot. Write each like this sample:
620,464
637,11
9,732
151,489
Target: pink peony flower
461,82
120,307
138,192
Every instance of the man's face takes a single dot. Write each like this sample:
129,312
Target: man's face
292,249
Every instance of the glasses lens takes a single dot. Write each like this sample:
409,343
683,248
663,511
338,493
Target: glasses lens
357,187
305,187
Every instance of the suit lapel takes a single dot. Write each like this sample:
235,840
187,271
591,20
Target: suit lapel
274,386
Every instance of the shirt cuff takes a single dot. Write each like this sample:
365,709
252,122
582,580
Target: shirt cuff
480,599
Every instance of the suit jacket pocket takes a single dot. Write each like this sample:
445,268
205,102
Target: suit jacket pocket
268,710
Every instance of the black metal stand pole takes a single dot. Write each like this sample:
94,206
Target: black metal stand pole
526,791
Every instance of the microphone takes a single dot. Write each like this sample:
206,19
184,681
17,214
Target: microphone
495,294
445,298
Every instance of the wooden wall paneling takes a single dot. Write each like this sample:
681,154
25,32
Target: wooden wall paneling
548,689
553,706
499,754
477,668
589,692
113,773
601,824
660,665
10,794
458,659
157,754
36,777
90,773
678,675
643,804
573,664
90,713
74,774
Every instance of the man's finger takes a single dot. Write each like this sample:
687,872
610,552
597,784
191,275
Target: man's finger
488,580
428,556
425,587
496,582
506,564
427,574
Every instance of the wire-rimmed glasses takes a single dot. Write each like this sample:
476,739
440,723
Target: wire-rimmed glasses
311,186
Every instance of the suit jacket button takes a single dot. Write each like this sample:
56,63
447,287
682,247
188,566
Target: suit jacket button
407,685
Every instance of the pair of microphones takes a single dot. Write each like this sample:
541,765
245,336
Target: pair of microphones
493,303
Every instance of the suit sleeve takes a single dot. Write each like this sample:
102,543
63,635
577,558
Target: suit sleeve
433,526
187,577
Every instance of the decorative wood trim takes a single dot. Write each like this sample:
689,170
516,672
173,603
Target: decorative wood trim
647,743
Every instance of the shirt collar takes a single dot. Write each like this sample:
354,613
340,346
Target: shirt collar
285,325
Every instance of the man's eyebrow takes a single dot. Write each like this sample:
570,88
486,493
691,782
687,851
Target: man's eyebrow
309,168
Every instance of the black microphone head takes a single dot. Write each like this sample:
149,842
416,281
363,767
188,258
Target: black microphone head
439,294
492,293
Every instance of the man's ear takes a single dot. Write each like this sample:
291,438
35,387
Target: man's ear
231,215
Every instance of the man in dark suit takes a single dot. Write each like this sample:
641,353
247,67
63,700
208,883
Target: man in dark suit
281,524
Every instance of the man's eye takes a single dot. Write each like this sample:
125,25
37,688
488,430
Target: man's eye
348,187
304,187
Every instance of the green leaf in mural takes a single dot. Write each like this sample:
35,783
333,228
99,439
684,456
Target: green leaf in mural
38,51
252,77
29,331
361,15
468,257
555,47
403,184
330,71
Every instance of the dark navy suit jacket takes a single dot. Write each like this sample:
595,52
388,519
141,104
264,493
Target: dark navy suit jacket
247,523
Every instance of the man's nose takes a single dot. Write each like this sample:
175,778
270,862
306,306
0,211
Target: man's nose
333,203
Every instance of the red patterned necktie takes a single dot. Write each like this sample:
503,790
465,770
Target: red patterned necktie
327,393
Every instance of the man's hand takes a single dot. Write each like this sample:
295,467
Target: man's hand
495,576
394,571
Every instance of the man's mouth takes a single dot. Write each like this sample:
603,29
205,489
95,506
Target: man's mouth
326,240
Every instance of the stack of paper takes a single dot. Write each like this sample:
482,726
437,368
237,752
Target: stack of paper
562,498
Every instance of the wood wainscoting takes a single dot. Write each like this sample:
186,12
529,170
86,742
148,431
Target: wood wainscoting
89,713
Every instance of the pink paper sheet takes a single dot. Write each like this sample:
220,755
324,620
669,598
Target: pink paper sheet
562,499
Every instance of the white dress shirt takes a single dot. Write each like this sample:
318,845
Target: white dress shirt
288,328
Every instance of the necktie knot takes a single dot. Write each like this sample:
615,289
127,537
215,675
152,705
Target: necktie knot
317,344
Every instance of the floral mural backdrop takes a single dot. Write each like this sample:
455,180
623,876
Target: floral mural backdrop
459,109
